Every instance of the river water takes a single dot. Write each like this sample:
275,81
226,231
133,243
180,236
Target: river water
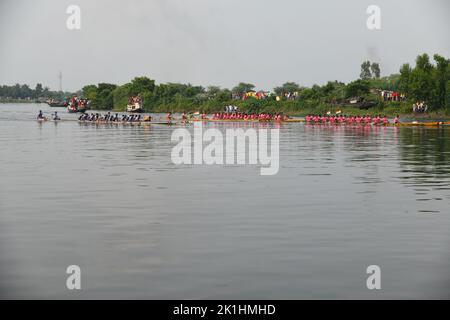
109,199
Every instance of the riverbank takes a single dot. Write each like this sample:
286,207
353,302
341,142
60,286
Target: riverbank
302,108
290,108
19,101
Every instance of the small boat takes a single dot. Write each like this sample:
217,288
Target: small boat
56,103
135,105
422,124
82,106
71,109
77,105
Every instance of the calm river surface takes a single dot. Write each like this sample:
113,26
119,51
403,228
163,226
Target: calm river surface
108,199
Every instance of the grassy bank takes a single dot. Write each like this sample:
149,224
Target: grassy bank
291,108
299,108
19,101
426,82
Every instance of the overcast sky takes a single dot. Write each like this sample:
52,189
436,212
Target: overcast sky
213,42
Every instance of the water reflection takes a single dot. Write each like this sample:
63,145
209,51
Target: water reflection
425,163
109,198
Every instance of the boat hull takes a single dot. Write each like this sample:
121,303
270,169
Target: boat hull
57,105
137,123
136,111
70,110
401,124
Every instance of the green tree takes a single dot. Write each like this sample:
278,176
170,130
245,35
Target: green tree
192,91
105,98
224,95
421,81
333,91
101,96
308,94
213,91
242,88
25,91
38,90
288,87
140,85
447,98
441,78
357,88
375,69
423,63
405,78
90,92
365,71
121,95
46,92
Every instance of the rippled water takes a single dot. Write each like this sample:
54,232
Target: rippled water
109,199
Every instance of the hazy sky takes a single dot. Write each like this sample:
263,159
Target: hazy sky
213,42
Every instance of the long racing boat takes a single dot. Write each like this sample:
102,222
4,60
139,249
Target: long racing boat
400,124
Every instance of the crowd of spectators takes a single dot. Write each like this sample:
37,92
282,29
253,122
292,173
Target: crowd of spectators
420,107
387,95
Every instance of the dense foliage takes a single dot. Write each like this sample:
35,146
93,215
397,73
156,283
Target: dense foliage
426,81
18,91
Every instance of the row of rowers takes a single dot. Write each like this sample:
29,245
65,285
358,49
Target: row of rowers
366,119
108,117
249,116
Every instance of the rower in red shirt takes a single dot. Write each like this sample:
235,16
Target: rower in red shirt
375,120
350,120
396,119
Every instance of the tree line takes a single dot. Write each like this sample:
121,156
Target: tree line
425,81
24,91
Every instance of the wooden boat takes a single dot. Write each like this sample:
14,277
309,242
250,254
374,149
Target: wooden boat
422,124
74,109
71,109
135,105
400,124
56,103
430,124
127,122
296,120
242,120
135,108
77,105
